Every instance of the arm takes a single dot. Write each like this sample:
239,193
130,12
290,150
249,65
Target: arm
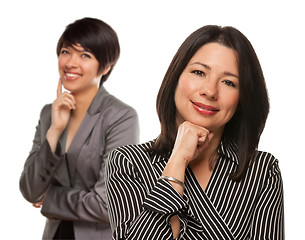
46,154
268,217
136,212
40,164
90,205
191,140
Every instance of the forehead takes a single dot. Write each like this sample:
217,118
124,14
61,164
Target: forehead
216,55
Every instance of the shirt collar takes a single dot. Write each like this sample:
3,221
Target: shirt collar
228,151
155,158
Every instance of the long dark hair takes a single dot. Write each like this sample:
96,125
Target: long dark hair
247,124
94,36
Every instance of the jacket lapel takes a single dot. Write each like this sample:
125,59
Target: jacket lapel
84,131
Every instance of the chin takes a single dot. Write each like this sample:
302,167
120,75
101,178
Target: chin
201,122
68,87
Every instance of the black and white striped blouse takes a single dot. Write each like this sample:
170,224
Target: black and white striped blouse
140,206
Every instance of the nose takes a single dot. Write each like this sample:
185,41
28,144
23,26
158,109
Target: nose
71,61
209,88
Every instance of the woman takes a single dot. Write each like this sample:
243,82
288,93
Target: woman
64,173
202,178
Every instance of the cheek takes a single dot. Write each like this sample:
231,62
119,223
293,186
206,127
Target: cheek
180,95
185,87
232,102
61,63
91,68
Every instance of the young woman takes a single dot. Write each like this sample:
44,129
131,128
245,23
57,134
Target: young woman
64,173
203,177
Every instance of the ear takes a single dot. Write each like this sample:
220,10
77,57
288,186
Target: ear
106,70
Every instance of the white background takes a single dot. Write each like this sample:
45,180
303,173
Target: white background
150,32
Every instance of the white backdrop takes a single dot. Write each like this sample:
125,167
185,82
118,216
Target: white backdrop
150,32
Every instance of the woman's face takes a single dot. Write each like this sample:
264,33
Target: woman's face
78,68
207,93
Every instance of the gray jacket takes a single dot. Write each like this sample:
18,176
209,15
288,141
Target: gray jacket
74,180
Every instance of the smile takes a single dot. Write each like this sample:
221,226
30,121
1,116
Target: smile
204,109
71,76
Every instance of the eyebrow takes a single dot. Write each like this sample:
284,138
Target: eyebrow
71,46
209,68
202,64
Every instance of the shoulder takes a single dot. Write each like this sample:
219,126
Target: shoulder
46,109
45,120
115,111
268,163
111,102
109,106
137,162
132,153
45,113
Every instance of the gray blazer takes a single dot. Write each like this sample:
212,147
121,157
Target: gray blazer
74,180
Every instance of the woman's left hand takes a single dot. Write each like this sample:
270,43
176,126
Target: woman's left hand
40,203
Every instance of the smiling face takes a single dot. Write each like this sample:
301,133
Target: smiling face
207,93
78,69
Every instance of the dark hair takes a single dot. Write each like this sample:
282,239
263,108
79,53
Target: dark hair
247,124
96,37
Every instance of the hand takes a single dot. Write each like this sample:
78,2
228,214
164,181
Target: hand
61,108
191,140
176,225
40,203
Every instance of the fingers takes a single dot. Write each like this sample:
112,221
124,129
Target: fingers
204,142
59,88
37,205
204,136
191,140
201,133
67,100
64,99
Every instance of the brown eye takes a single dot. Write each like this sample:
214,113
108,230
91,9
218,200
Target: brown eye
85,55
229,83
198,72
64,51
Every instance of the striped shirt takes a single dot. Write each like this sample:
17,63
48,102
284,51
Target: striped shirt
140,205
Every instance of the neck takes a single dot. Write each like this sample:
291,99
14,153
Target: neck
83,100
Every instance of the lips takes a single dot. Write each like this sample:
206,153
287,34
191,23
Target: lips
71,75
204,109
